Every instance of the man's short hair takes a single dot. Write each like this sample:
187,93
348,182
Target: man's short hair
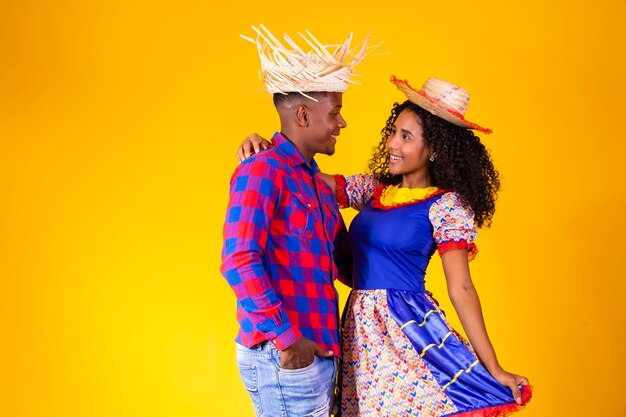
288,99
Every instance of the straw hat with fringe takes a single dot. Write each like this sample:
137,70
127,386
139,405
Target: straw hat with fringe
288,68
441,98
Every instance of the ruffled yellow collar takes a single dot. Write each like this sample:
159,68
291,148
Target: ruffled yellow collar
395,196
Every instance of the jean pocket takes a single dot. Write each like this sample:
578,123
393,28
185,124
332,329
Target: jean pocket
249,377
308,391
298,370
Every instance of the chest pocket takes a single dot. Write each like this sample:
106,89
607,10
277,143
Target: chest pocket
302,214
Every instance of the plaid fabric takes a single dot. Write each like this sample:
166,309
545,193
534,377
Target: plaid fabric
284,244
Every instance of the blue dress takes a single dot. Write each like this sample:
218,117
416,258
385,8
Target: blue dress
400,355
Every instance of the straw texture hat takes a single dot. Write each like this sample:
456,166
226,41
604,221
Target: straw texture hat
441,98
289,68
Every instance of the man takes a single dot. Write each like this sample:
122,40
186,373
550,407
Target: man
284,239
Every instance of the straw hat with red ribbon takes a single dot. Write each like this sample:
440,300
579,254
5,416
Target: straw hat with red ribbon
441,98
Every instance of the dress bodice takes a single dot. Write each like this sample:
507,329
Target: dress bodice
398,229
391,248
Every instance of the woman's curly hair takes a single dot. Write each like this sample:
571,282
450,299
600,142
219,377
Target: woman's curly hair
462,163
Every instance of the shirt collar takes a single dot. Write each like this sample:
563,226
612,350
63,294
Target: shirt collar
292,154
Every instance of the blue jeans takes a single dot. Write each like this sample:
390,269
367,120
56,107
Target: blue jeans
278,392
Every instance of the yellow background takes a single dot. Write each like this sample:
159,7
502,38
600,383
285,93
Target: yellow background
119,122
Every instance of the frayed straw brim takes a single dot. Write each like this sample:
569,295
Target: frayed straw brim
436,106
289,68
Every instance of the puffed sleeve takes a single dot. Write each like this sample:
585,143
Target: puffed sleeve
354,191
453,225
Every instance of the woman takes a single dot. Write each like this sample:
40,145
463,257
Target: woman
432,184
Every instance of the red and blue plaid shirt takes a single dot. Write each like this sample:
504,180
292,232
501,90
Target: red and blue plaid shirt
284,245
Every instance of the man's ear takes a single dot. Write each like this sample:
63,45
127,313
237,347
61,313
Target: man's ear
302,115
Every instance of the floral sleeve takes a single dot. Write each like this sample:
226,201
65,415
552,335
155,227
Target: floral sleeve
354,191
453,225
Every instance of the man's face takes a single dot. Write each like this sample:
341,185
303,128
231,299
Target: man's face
325,123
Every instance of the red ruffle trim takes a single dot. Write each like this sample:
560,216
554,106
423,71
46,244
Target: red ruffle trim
379,205
499,410
340,191
472,250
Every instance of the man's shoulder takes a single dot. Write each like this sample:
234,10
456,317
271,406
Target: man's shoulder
270,161
272,155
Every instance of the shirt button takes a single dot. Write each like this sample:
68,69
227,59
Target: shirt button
309,205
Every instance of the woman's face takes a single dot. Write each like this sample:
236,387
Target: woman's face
408,151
